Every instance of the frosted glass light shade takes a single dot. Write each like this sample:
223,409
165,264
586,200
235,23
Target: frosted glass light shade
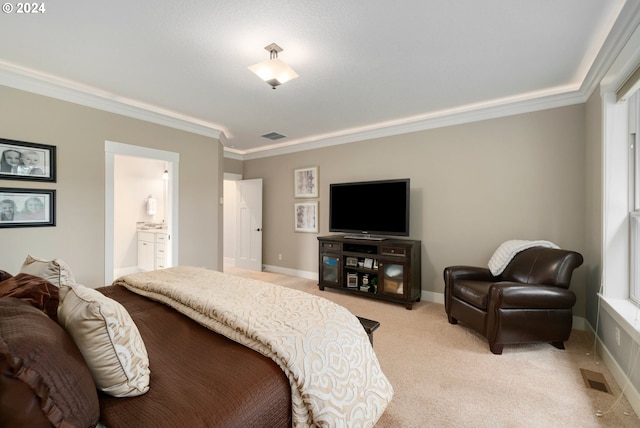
274,72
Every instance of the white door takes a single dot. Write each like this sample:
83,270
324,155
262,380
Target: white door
249,224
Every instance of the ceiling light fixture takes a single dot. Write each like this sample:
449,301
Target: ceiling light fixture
273,71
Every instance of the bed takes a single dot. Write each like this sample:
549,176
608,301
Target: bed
220,381
196,376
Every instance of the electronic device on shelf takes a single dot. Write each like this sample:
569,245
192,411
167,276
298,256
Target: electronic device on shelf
370,209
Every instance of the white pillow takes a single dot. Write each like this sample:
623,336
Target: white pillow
55,271
108,339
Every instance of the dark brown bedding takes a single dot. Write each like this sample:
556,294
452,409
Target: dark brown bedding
198,378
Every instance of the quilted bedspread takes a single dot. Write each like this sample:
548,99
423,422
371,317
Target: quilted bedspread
335,376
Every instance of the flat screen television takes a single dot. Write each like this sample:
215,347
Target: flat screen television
369,208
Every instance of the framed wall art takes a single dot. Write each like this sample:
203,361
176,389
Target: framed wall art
20,160
306,216
27,207
306,182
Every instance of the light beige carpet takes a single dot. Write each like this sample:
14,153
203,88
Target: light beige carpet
445,376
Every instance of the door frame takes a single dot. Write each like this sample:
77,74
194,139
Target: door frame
113,148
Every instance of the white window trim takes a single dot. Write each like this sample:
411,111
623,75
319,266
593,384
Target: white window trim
615,279
615,216
634,237
634,197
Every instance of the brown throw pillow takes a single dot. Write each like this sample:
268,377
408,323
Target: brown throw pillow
37,291
4,275
42,373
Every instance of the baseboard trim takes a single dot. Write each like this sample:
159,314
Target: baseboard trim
579,323
630,392
430,296
290,272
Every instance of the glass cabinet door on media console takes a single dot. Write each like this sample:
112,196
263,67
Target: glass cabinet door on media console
394,272
393,279
387,269
330,264
330,269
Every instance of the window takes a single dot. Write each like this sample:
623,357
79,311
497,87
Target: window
620,239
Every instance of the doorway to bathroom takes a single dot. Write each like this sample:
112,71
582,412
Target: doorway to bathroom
141,194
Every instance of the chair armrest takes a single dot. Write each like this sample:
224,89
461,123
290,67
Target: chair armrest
454,273
513,295
468,272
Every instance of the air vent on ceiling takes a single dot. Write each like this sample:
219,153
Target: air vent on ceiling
273,136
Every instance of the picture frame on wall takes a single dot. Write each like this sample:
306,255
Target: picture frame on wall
27,207
306,216
20,160
306,182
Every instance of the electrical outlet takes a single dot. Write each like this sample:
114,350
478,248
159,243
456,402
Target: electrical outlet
279,256
618,336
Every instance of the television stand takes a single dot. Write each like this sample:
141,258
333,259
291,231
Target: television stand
366,236
386,269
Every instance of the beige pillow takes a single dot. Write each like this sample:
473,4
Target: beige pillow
55,271
108,339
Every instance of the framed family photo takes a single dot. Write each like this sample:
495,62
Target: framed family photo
306,182
306,217
20,160
27,207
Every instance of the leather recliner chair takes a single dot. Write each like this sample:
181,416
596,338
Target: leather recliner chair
529,301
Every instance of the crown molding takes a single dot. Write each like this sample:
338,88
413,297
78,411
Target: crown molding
29,80
627,22
465,114
233,154
623,29
44,84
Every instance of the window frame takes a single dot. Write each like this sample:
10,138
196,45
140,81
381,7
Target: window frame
633,106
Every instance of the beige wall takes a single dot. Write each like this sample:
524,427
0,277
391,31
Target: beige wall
473,186
233,166
593,204
79,133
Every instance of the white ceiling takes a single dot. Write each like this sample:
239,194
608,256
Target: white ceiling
366,67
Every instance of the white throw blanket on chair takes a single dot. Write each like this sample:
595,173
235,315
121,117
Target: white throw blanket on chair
508,249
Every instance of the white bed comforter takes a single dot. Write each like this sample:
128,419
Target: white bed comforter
335,376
